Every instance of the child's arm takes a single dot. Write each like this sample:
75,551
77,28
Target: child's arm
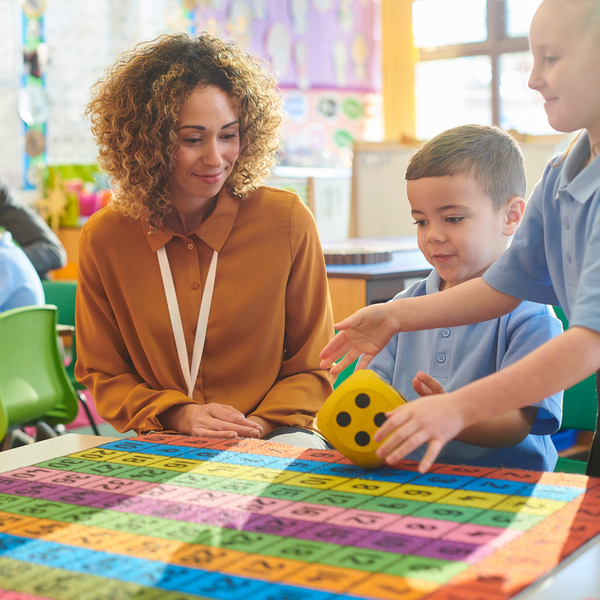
558,364
508,429
368,330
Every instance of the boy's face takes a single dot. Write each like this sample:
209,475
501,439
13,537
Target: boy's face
458,231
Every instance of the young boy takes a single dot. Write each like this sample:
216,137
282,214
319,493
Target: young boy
466,189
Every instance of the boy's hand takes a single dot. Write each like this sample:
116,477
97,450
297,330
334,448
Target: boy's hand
365,332
432,420
426,385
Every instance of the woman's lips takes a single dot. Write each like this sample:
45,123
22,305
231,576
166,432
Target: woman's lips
210,177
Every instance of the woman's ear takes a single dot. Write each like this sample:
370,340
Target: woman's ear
514,213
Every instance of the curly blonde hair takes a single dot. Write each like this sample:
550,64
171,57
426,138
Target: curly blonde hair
135,107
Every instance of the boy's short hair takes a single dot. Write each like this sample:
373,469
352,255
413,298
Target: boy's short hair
490,153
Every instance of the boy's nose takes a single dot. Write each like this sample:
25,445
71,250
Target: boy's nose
535,80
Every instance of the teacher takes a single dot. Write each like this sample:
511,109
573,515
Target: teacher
202,299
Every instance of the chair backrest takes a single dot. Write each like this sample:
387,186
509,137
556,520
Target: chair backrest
33,381
62,294
580,404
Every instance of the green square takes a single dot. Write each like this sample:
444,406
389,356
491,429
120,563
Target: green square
107,589
244,541
181,531
194,480
396,506
430,569
146,474
286,492
8,502
132,523
448,512
87,515
39,508
12,572
509,520
333,498
57,583
65,463
102,468
361,559
304,550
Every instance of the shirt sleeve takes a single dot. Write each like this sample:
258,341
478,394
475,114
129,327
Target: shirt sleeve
530,326
104,364
302,387
30,231
521,270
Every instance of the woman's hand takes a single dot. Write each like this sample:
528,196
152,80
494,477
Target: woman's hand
365,332
433,420
212,420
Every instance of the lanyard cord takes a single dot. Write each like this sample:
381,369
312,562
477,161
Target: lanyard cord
190,374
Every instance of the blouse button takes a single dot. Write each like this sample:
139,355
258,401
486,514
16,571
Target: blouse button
568,256
445,333
566,223
190,246
195,285
441,358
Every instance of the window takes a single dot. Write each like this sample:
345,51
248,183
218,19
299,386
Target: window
474,64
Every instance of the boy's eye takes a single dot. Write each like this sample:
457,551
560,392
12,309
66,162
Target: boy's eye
550,59
420,223
454,219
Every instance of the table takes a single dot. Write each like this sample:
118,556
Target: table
354,286
576,578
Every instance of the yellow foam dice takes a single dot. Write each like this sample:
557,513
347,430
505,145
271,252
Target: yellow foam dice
354,412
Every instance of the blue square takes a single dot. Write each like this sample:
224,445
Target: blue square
288,592
495,486
224,587
551,492
126,446
441,480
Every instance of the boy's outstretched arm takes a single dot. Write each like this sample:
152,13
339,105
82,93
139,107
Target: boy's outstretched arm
368,330
558,364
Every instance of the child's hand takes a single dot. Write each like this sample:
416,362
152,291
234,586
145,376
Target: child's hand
365,332
426,385
432,420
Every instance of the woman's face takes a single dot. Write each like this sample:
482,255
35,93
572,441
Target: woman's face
208,145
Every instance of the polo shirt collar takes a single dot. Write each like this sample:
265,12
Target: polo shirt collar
214,231
580,184
432,285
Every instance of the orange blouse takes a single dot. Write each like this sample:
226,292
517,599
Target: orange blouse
270,314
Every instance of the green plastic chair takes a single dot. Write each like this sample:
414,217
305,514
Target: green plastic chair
580,408
61,293
34,387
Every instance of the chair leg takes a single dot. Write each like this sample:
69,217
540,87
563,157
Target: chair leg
16,438
44,432
83,401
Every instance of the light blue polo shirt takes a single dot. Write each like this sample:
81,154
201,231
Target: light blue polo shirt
456,356
555,254
20,284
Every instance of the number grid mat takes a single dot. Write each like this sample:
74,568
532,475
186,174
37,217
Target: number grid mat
177,518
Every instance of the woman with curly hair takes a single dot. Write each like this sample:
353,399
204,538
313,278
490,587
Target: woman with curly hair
202,299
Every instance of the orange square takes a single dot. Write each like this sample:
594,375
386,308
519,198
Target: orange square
205,557
336,579
8,521
96,538
42,529
269,568
394,588
143,546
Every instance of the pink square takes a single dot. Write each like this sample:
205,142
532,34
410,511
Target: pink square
30,473
496,537
207,498
257,504
304,511
364,519
116,485
162,491
72,478
422,527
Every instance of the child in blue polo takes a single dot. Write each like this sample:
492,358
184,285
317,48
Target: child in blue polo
466,189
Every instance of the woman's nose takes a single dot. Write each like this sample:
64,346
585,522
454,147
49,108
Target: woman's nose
212,155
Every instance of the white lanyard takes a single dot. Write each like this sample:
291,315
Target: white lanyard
189,374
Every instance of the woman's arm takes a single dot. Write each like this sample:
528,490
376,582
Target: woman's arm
368,330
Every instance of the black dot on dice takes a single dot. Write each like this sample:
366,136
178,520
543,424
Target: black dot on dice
362,438
379,419
343,419
362,401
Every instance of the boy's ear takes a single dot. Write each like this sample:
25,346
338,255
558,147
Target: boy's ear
514,210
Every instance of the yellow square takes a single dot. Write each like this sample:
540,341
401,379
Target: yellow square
100,454
474,499
136,460
175,464
269,568
317,482
530,506
367,486
223,470
269,475
419,493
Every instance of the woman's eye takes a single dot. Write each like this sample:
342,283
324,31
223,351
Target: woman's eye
230,136
454,219
192,140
